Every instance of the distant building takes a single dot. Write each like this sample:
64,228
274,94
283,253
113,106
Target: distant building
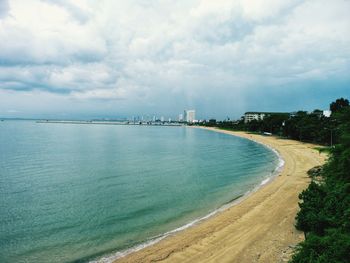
250,116
322,113
190,115
327,113
293,114
259,116
162,119
318,113
181,117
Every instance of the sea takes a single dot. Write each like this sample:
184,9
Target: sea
93,193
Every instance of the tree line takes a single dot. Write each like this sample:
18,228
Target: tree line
324,214
310,127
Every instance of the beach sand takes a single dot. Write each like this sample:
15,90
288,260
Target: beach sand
258,229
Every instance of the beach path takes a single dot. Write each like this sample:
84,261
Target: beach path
258,229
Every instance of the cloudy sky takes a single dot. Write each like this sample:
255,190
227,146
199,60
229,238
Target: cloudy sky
115,58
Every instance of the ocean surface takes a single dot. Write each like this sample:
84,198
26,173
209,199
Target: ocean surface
75,193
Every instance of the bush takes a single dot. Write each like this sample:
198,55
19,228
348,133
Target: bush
324,213
333,247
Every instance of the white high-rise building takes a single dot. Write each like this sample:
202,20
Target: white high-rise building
181,117
189,115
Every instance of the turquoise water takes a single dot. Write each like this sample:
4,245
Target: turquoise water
72,193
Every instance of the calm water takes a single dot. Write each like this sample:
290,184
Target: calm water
76,192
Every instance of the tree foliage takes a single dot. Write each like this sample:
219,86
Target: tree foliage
324,213
334,246
310,127
339,104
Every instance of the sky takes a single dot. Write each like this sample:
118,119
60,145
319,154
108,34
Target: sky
117,58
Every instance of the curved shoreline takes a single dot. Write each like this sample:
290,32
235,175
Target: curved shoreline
177,245
236,200
113,257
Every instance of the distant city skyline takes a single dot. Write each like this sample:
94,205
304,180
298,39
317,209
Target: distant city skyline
88,59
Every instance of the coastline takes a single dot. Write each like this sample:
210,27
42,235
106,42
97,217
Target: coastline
223,234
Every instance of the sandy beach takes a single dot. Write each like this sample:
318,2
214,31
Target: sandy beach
260,228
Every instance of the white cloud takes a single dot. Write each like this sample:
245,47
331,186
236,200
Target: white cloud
100,94
37,32
141,53
4,6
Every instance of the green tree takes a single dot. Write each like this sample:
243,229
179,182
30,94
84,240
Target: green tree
324,213
334,247
338,105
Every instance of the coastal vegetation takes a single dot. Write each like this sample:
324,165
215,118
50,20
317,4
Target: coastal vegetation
301,125
324,214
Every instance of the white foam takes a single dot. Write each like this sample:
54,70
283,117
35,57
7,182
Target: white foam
265,181
152,241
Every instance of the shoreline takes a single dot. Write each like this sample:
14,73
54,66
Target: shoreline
123,123
116,256
175,245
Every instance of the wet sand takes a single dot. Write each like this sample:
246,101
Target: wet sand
260,228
